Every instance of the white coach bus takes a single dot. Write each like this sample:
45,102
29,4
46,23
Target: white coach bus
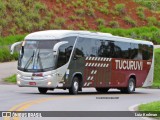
74,60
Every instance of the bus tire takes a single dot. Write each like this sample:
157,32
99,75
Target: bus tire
74,87
102,90
42,90
131,86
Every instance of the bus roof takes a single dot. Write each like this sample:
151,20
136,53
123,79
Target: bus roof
58,34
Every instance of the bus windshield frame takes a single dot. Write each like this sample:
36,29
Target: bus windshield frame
37,56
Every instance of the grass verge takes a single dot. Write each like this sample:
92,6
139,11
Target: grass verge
156,82
153,108
11,79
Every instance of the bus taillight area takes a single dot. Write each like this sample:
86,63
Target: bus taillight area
36,80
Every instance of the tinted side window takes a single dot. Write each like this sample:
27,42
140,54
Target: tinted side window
86,47
134,52
122,50
65,51
104,50
110,49
114,49
147,52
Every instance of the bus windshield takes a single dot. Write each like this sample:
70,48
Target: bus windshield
37,56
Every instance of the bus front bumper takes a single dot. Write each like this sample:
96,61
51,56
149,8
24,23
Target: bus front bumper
49,81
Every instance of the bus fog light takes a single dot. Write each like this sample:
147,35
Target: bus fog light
18,82
49,83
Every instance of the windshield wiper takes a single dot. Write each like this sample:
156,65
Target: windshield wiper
29,61
39,59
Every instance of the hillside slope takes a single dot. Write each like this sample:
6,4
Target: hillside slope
19,17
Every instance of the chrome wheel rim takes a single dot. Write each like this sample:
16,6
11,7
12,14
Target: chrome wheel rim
131,86
75,86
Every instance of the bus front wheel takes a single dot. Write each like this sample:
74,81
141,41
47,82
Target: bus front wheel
42,90
75,86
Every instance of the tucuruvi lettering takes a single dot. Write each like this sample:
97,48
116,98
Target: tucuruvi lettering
129,65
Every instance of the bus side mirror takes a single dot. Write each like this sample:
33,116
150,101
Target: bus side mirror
56,47
13,46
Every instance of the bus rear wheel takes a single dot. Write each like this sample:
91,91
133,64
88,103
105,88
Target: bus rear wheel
42,90
131,86
102,90
75,86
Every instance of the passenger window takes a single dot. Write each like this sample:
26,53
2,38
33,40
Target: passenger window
147,52
104,49
86,47
134,51
65,51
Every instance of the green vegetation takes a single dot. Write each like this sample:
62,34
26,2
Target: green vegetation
156,82
91,12
59,21
11,39
104,7
100,22
104,10
151,4
4,47
80,12
78,3
114,24
120,8
140,12
23,16
73,17
130,21
11,79
152,107
147,33
6,56
152,21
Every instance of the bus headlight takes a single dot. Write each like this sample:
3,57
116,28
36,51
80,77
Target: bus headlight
18,82
49,83
18,75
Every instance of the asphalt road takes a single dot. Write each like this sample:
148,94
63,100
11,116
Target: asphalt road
14,98
7,69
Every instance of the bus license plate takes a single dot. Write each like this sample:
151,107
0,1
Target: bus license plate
32,83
